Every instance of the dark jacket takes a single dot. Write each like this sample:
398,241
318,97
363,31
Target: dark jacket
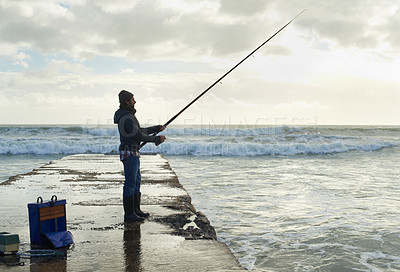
130,132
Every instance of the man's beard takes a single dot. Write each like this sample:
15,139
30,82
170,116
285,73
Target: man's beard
131,107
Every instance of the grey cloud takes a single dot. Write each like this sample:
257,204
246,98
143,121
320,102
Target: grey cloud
147,26
136,31
243,8
357,24
221,39
391,29
146,29
41,30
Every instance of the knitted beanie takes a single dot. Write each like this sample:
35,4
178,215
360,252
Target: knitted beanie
124,96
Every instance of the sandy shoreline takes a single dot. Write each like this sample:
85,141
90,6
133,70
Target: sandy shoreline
175,238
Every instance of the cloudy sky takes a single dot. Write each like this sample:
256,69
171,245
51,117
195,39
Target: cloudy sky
64,62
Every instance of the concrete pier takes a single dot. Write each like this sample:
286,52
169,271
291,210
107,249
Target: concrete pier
176,237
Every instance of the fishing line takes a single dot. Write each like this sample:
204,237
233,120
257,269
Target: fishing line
222,77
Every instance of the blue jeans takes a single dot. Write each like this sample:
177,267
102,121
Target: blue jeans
132,176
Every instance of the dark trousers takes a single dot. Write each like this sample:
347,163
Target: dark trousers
132,176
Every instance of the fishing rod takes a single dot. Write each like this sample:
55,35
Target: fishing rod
222,77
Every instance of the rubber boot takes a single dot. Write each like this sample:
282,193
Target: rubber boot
130,215
137,206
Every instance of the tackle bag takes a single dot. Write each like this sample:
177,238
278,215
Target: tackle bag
48,223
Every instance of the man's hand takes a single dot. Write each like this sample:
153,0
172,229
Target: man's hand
162,128
162,138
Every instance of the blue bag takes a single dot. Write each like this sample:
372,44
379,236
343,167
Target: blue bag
47,222
58,239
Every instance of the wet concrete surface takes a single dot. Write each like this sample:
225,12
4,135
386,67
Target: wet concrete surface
176,237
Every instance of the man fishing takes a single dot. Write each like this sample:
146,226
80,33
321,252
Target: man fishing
131,135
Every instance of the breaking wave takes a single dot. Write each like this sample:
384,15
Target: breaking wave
210,141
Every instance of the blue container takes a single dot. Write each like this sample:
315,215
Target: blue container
46,219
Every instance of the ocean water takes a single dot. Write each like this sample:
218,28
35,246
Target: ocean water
313,198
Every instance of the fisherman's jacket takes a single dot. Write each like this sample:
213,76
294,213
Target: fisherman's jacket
130,132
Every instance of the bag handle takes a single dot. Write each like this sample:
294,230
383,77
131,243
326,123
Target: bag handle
53,198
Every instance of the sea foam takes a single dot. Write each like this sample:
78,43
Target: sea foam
218,141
